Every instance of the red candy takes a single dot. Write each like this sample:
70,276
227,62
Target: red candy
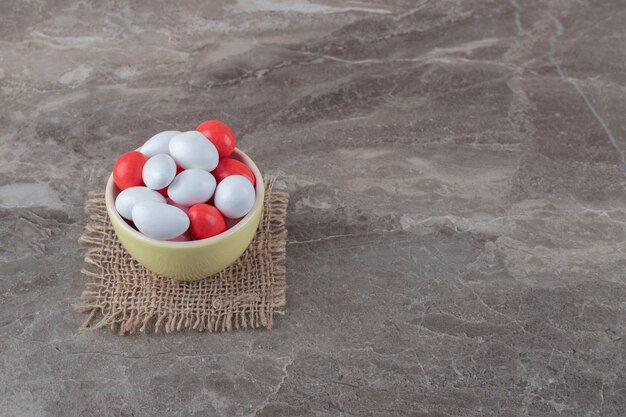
220,135
182,238
127,171
228,166
230,223
206,221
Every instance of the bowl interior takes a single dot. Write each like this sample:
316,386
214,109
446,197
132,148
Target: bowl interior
112,192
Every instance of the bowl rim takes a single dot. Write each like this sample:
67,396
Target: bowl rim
258,205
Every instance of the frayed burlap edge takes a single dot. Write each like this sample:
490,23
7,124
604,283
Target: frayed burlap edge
217,314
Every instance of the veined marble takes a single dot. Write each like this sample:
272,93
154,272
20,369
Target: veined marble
457,217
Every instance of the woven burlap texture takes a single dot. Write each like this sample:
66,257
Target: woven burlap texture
128,298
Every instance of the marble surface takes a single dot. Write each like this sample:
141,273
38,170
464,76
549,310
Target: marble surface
457,218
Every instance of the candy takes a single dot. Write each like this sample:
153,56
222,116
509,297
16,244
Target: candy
176,188
159,220
180,206
192,186
192,150
220,135
228,166
230,223
127,171
182,238
158,143
127,199
163,191
206,221
234,196
159,171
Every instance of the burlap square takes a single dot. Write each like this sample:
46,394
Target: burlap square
129,298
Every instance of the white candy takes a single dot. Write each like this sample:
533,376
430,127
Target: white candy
127,199
159,171
159,220
192,186
193,150
159,143
234,196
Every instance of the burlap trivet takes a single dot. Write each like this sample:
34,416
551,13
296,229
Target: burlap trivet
129,298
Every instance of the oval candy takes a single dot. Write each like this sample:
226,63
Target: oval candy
163,191
230,223
220,135
192,186
127,171
228,166
182,238
159,220
127,199
191,150
159,171
159,143
180,206
206,221
234,196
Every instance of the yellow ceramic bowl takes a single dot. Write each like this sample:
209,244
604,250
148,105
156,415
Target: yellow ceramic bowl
190,261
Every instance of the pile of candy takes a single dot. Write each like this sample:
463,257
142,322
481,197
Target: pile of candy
183,186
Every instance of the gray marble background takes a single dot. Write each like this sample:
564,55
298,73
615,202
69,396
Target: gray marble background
457,218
